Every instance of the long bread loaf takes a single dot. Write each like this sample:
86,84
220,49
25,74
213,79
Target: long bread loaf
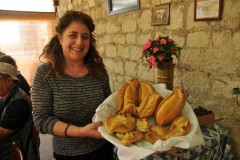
170,107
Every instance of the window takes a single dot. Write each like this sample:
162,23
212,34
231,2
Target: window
27,5
23,36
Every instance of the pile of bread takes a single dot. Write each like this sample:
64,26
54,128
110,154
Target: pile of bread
137,101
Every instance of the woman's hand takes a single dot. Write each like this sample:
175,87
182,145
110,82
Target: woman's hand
91,130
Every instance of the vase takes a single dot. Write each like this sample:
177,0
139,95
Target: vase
165,74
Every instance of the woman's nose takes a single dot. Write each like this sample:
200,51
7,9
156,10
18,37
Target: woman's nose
79,40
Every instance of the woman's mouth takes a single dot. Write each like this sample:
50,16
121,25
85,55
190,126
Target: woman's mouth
77,49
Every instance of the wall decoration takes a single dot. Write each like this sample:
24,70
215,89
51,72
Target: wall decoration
161,14
208,10
117,7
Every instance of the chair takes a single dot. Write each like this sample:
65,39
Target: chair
16,153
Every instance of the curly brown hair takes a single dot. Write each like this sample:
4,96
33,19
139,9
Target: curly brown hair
53,50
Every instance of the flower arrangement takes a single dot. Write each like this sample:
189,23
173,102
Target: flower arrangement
160,51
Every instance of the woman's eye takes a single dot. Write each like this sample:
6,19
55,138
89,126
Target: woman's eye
73,35
85,37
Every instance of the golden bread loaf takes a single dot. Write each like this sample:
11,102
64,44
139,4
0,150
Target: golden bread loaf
152,102
131,94
180,127
170,107
121,123
120,96
132,137
139,98
145,89
131,98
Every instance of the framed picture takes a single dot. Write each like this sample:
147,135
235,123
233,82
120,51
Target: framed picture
161,14
208,10
121,6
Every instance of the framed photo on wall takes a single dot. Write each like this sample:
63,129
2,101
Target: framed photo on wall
121,6
208,10
161,14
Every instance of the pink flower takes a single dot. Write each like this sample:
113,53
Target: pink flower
155,49
163,41
151,60
161,57
147,45
154,64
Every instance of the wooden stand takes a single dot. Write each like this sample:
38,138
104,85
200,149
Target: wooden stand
165,74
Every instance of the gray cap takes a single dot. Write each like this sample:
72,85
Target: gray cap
9,69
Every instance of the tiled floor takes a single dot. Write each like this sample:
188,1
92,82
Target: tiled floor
46,151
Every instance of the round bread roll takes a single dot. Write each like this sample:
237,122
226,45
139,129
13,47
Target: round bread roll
142,125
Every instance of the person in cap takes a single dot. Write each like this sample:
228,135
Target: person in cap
23,84
16,121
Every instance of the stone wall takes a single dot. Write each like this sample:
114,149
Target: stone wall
211,51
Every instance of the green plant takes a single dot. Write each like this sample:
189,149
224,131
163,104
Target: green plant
160,50
235,90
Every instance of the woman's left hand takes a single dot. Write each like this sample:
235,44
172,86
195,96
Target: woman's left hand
91,130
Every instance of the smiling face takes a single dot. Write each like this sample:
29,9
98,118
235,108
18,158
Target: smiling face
75,41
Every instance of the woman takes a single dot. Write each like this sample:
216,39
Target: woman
69,87
15,113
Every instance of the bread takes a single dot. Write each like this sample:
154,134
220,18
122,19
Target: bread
180,127
131,94
121,123
136,102
156,132
120,96
152,101
145,89
132,137
120,135
142,125
139,98
131,98
152,137
159,130
170,107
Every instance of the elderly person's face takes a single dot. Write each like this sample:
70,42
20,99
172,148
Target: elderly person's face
6,83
